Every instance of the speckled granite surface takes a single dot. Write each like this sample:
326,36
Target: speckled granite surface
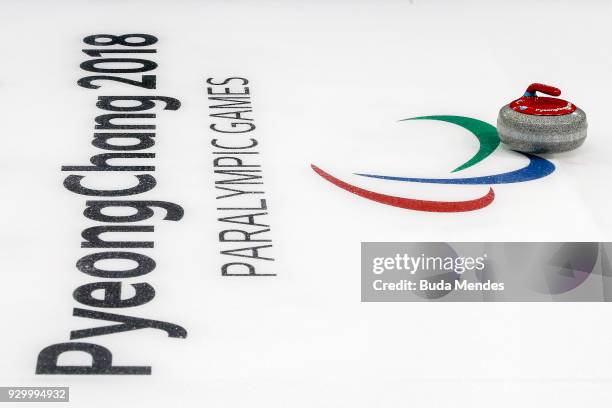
541,134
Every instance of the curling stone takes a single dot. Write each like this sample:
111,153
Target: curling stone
540,124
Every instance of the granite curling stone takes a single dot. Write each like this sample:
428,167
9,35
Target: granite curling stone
540,124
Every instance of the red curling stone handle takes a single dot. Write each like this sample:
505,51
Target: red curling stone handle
547,89
532,104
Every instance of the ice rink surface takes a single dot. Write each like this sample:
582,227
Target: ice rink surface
329,84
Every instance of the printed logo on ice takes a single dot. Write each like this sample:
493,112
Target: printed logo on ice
488,141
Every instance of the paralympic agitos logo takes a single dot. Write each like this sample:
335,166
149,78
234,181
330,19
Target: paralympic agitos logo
488,139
